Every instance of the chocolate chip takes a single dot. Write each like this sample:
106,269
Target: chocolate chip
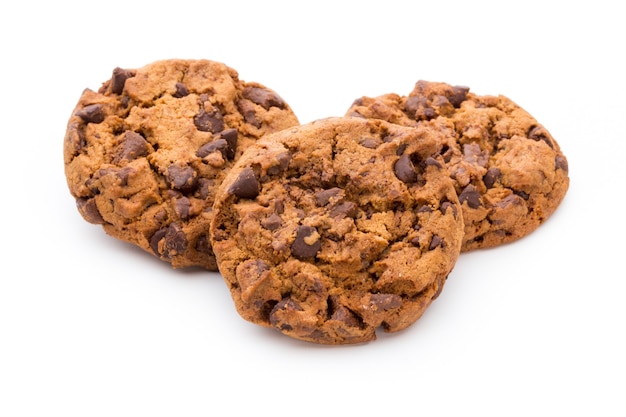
283,160
424,209
246,108
344,315
203,245
370,143
436,242
286,305
459,94
118,79
471,195
208,148
430,161
76,137
539,133
279,206
263,97
522,194
446,205
323,197
272,222
93,113
246,185
212,121
181,91
429,113
123,174
385,301
413,104
175,240
231,137
404,169
88,209
491,177
204,187
345,209
181,177
441,101
132,146
302,247
561,163
155,239
181,207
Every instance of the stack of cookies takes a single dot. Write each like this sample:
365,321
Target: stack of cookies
325,231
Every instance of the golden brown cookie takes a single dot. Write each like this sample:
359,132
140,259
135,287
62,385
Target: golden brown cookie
330,230
510,174
145,153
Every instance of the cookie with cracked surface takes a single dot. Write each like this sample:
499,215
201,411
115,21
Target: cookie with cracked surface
145,153
333,229
510,173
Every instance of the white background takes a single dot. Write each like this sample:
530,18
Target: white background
90,326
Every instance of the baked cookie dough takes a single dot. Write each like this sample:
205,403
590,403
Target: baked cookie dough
330,230
145,153
510,174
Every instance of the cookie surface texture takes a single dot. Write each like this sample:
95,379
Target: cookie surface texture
145,153
510,173
331,230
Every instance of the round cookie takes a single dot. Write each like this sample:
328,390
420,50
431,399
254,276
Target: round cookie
510,174
330,230
145,153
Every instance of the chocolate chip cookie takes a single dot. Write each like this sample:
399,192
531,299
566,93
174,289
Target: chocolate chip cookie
331,230
510,174
145,153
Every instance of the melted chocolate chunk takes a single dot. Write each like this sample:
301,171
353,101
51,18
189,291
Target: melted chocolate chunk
208,148
561,163
370,143
302,247
209,121
246,185
286,305
471,195
203,245
93,113
344,315
132,146
446,205
181,207
283,159
230,136
181,178
404,169
436,242
385,301
88,209
263,97
181,91
430,161
272,222
155,239
118,80
345,209
491,177
458,96
246,108
413,104
323,197
175,240
539,133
